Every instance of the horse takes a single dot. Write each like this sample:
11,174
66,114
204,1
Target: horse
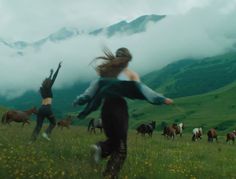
93,124
231,136
172,131
178,128
169,131
146,128
197,133
18,116
212,135
65,122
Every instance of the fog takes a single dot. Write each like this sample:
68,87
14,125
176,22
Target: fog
207,29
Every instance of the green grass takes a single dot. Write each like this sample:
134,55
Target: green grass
214,109
67,156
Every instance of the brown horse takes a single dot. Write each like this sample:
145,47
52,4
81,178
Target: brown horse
178,128
231,136
65,122
169,131
212,135
18,116
172,131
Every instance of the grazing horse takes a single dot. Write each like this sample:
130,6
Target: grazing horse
65,122
172,131
178,128
93,124
212,135
169,131
146,128
18,116
197,133
231,136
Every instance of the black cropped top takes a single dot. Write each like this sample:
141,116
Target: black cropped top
46,91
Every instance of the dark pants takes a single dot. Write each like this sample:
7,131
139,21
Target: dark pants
115,123
44,111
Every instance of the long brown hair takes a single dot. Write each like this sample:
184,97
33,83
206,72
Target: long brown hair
113,64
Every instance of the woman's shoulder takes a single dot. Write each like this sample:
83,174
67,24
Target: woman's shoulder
133,75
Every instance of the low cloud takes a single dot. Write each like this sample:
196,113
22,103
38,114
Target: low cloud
201,32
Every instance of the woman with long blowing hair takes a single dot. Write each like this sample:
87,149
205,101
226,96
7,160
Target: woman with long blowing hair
117,81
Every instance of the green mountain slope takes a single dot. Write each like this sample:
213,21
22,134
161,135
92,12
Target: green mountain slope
182,78
190,77
62,99
214,109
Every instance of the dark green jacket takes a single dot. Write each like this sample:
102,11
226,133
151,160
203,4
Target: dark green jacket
110,87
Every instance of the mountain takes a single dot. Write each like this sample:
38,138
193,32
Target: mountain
190,76
182,78
213,109
62,99
208,86
123,27
62,34
136,26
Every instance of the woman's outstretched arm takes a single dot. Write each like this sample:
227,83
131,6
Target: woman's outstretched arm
135,77
87,94
51,72
56,73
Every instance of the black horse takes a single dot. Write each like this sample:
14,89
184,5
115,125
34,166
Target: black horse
146,128
93,124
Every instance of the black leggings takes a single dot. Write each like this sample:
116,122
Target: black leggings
115,123
44,111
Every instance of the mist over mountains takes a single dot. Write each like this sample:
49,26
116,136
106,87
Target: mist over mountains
123,27
182,78
153,40
188,54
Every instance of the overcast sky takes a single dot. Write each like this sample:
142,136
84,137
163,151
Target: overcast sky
34,19
193,28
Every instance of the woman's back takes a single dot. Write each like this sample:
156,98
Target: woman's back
128,75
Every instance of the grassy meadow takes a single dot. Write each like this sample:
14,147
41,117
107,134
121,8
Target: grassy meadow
213,109
68,155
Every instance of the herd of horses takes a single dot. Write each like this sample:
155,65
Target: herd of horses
170,132
175,129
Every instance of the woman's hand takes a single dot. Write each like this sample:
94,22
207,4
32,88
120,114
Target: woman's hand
59,65
168,101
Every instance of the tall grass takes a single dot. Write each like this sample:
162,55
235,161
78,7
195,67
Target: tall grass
67,156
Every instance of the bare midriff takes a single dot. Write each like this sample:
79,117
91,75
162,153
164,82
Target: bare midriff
47,101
